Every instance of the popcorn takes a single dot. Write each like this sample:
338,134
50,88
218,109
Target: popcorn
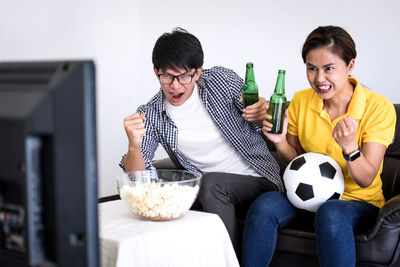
159,201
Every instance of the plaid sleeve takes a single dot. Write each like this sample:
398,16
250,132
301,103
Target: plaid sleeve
122,162
150,140
235,86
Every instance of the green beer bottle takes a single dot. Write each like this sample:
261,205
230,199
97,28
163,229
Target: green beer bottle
250,88
277,104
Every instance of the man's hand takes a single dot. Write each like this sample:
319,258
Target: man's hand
344,133
256,112
134,128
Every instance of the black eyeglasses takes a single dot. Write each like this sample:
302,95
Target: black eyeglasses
183,79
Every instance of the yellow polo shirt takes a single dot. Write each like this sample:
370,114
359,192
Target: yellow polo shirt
310,122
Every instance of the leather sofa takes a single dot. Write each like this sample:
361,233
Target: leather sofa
376,245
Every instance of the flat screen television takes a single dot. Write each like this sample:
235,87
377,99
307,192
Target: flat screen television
48,164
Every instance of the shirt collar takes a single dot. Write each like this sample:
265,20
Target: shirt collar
357,103
358,100
201,82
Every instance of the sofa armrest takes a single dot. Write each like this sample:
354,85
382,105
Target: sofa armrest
165,163
390,212
387,219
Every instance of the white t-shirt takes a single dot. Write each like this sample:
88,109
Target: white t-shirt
201,142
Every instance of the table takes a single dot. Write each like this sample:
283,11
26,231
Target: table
196,239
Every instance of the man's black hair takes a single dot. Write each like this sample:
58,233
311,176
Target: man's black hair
177,50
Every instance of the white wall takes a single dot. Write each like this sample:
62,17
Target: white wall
119,35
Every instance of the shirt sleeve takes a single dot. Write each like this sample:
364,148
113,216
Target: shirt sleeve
293,116
235,85
381,124
150,140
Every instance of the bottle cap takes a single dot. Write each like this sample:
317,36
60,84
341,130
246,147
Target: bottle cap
249,64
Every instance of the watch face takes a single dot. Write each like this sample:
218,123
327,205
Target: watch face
353,156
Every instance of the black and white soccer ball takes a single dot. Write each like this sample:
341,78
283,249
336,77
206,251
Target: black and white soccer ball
311,179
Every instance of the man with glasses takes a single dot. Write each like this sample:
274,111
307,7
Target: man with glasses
199,119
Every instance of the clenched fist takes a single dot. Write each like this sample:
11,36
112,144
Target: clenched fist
345,133
134,128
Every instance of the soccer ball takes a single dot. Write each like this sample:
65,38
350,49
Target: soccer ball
311,179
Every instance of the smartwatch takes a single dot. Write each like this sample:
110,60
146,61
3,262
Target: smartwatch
353,155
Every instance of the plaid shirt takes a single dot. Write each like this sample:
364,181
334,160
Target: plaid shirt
220,90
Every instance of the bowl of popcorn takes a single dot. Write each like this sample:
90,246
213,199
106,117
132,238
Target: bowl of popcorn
159,194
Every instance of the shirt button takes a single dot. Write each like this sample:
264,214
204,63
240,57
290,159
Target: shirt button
173,149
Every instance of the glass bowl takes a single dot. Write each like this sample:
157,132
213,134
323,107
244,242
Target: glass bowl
159,194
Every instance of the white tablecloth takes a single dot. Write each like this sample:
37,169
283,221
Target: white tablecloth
196,239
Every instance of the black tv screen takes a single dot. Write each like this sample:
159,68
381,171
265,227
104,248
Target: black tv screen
48,164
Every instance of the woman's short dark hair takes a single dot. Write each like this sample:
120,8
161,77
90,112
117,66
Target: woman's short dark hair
336,39
177,50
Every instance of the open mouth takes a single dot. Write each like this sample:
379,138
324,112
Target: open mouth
176,97
324,88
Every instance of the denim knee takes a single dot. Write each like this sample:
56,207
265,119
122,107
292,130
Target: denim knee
266,204
329,217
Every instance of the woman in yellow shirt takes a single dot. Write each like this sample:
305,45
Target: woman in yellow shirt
340,118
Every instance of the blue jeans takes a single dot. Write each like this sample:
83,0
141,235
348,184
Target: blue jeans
334,224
